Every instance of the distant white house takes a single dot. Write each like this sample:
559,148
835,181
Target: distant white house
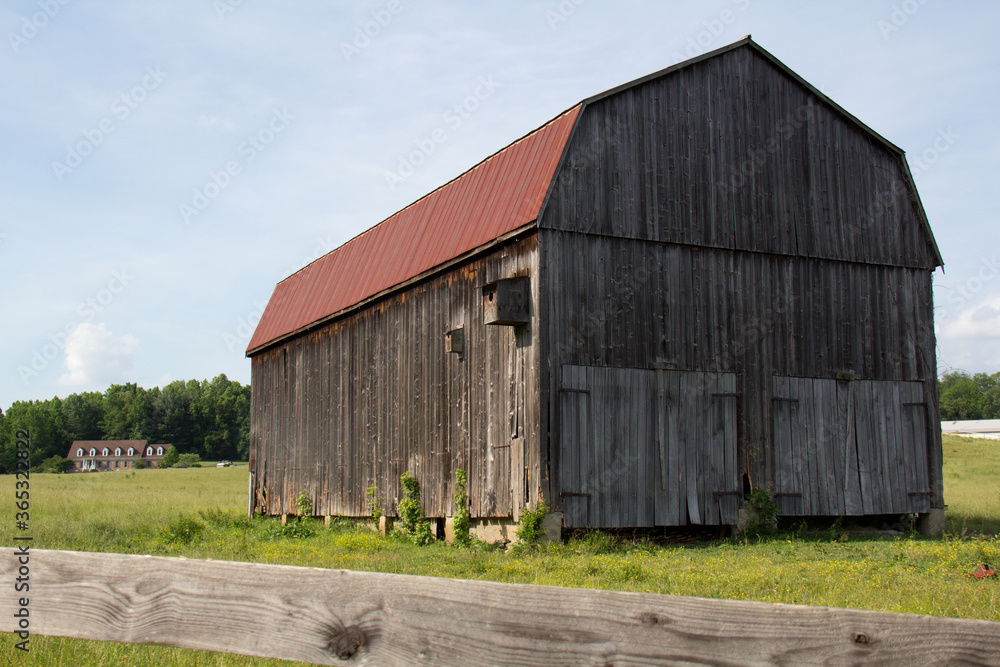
975,428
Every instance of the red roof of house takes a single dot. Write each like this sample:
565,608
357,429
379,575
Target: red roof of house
99,445
499,195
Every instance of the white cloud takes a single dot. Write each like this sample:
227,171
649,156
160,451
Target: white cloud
94,356
969,340
981,320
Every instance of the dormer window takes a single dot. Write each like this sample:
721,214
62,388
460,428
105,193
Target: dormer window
149,451
159,451
93,452
104,452
131,451
118,451
79,451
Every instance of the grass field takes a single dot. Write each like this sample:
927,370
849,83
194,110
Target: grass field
142,511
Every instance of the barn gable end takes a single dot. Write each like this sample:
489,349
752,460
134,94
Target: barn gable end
735,152
737,230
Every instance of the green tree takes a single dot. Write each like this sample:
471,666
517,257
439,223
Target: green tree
211,419
170,457
44,421
127,414
990,402
172,409
82,415
959,397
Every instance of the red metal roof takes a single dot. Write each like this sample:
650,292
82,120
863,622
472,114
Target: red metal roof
497,196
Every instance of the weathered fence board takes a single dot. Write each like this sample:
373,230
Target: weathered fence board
326,616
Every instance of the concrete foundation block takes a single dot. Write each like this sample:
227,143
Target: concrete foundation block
449,530
385,525
284,519
931,523
493,530
552,524
744,517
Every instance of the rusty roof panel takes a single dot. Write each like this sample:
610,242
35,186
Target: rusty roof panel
497,196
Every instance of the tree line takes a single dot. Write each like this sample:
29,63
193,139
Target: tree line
212,418
964,396
208,418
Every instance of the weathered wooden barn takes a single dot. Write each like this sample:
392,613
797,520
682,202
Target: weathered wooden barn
704,281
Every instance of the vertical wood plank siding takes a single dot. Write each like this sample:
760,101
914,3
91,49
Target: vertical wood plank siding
367,397
722,219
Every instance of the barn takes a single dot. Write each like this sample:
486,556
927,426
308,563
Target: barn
706,281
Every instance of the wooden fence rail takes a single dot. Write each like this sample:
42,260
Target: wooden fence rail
330,616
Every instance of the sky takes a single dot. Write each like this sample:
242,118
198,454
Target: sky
164,165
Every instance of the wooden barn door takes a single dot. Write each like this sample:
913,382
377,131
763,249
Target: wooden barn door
504,421
646,447
698,480
845,448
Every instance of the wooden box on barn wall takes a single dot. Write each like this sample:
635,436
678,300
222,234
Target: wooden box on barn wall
506,301
454,341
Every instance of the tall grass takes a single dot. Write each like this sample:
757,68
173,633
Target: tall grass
972,485
153,511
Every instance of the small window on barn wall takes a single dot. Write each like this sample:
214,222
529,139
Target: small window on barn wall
505,302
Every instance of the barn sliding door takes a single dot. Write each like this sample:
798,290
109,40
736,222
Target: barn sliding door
647,447
849,448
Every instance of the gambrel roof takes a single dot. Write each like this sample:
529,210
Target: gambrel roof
498,198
